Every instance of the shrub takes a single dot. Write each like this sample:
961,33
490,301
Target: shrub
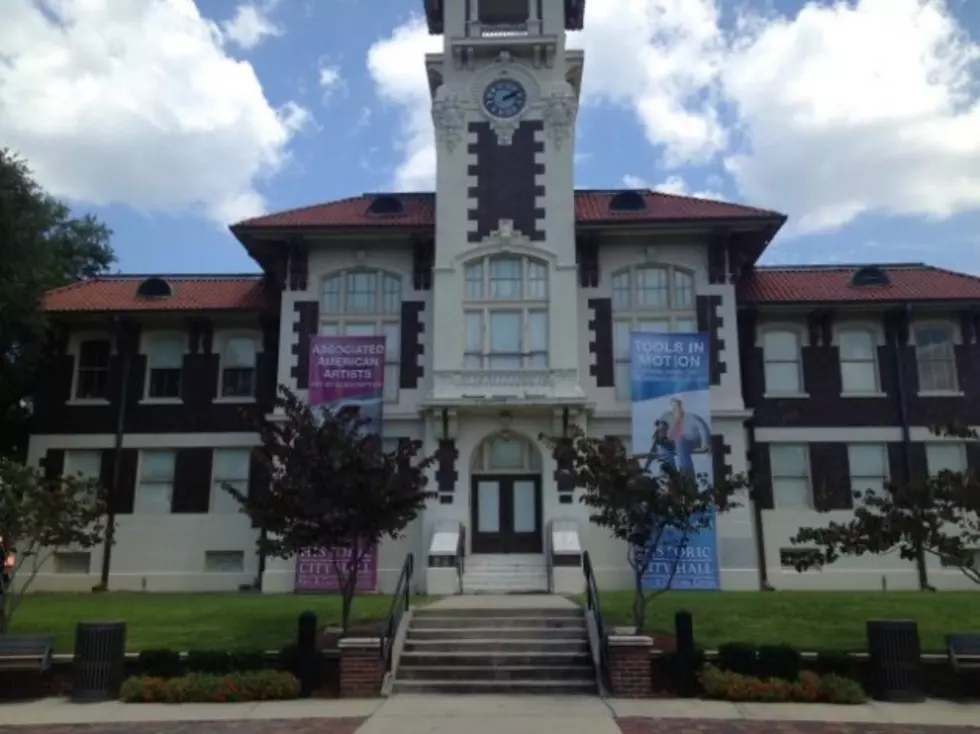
160,664
837,663
778,661
214,662
738,657
265,685
807,688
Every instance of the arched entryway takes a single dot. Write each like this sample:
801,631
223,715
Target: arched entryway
505,496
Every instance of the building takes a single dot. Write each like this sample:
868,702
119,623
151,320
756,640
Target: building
506,298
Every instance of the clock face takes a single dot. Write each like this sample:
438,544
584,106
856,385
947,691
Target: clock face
504,98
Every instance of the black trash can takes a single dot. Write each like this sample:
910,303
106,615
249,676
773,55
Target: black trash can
895,660
100,661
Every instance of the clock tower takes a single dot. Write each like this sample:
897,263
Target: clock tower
505,96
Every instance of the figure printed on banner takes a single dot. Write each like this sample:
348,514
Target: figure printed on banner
671,422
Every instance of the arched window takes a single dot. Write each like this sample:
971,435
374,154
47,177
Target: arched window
366,302
506,452
506,305
649,298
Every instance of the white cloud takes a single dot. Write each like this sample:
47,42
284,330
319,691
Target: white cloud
866,106
251,24
138,103
396,64
330,79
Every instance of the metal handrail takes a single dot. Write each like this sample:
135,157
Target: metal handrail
400,604
461,556
594,605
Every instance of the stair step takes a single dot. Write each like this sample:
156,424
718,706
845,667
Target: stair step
506,644
565,612
485,633
549,687
543,623
496,672
454,659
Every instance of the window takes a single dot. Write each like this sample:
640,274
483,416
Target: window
72,562
506,304
869,467
658,298
936,358
790,475
92,381
86,464
945,457
238,360
224,561
858,363
366,303
506,453
231,466
781,356
154,492
166,365
789,557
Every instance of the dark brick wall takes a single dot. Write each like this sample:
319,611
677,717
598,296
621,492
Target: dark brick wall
412,347
199,386
446,473
506,186
603,367
710,323
304,328
825,406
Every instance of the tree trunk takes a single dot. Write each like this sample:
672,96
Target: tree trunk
639,603
347,601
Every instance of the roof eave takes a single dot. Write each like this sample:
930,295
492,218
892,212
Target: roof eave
883,303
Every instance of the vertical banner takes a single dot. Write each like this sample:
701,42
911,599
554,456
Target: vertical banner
344,371
671,420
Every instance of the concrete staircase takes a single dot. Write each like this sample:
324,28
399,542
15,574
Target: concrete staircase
499,650
505,574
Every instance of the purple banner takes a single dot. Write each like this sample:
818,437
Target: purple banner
344,371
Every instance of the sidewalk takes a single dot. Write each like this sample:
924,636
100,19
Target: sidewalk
513,714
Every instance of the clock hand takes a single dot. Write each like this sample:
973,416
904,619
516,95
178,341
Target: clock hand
508,97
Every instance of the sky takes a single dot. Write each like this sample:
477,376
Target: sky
171,119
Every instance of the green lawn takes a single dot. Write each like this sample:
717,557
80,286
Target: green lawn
807,620
190,621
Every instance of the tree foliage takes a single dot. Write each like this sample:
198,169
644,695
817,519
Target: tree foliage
937,515
39,515
331,486
42,246
644,509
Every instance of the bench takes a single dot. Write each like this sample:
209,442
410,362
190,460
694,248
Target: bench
963,650
26,652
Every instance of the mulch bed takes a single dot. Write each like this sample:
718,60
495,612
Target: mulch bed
703,726
287,726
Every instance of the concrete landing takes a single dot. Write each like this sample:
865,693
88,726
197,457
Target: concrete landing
502,601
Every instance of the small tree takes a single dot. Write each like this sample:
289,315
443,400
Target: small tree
332,488
38,515
641,508
938,516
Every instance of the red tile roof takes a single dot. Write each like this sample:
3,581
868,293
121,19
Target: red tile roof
591,207
821,283
190,293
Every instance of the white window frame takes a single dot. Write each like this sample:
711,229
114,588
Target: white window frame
954,339
141,483
334,321
75,350
147,350
526,305
872,334
221,502
859,481
800,337
958,446
223,341
482,459
806,475
678,316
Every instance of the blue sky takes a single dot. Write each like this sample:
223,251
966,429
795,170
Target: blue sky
170,118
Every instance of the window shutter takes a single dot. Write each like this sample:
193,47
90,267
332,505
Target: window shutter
603,367
761,475
412,329
192,481
54,463
125,495
830,476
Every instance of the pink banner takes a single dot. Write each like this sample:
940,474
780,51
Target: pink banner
344,371
316,571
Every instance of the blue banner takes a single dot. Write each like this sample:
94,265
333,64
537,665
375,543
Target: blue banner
670,383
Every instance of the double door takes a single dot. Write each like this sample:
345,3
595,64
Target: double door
506,514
